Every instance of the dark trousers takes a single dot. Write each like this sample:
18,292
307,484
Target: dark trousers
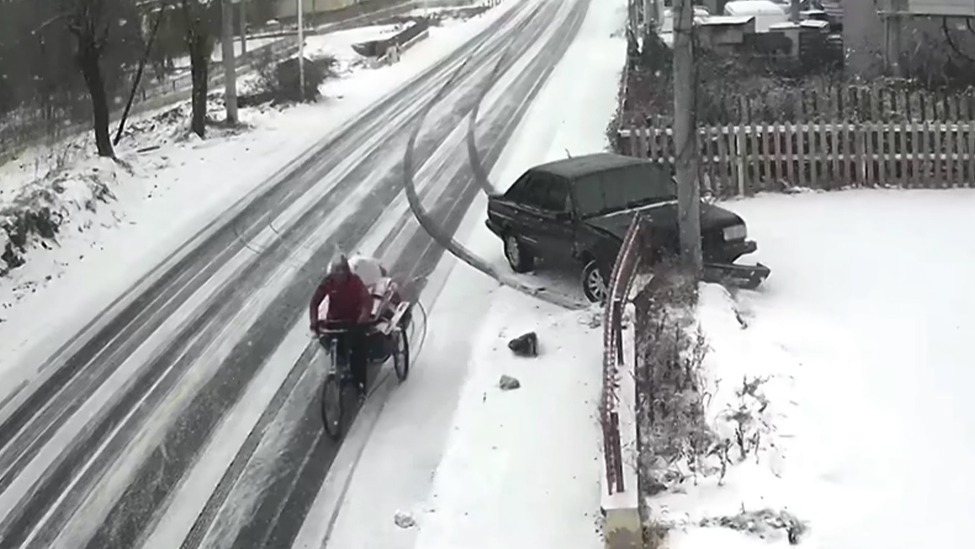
353,343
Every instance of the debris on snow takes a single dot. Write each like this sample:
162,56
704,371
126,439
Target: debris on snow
404,520
508,383
525,345
761,523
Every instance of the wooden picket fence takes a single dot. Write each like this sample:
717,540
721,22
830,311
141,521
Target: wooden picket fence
744,159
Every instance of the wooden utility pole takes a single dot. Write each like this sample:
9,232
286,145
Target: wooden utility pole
301,49
243,26
795,9
685,137
229,63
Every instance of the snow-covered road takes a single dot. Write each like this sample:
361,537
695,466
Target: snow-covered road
186,413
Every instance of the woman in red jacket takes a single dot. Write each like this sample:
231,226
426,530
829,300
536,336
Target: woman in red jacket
350,309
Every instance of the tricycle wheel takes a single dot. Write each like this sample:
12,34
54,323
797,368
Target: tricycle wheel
401,355
332,406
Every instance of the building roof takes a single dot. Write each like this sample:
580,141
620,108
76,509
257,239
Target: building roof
754,7
578,166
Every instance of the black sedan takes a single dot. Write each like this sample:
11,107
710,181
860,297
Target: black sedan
579,209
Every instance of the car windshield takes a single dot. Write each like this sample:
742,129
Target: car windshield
624,188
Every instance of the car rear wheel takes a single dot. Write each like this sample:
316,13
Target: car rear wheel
520,259
593,282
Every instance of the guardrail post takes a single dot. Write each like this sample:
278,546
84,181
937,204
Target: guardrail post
617,454
618,330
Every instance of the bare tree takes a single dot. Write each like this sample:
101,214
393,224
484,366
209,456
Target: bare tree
88,21
62,61
199,17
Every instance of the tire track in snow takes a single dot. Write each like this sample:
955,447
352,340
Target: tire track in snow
30,423
52,484
561,43
287,507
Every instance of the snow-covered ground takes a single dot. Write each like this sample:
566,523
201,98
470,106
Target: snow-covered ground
121,221
861,335
474,466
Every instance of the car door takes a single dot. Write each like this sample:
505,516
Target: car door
555,220
521,211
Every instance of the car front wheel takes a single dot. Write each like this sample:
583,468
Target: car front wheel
593,282
520,259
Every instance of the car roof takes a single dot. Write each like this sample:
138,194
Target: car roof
580,166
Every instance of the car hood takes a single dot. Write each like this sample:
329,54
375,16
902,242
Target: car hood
662,215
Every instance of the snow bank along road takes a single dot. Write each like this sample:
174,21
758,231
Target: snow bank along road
186,414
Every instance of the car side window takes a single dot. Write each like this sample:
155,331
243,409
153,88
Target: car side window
553,194
535,191
519,190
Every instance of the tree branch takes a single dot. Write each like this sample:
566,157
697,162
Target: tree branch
50,21
951,42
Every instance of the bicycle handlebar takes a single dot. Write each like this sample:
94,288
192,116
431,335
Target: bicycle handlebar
330,331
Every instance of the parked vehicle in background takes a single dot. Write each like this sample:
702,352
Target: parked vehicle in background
580,208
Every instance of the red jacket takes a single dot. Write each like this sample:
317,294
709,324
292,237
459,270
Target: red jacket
348,301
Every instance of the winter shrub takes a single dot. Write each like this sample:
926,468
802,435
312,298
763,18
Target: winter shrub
279,82
671,390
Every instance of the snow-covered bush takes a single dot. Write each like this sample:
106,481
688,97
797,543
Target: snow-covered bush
278,81
693,428
671,390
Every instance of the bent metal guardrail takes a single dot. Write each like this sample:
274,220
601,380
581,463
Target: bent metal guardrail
627,260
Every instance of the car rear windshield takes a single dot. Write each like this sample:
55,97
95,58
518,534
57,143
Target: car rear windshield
623,188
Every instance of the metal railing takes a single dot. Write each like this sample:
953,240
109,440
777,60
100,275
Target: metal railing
631,255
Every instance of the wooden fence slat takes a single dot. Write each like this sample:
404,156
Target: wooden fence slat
862,153
741,151
902,162
873,170
963,150
917,152
715,161
949,140
844,147
815,136
775,135
815,178
766,155
892,134
801,148
852,138
707,161
755,159
832,154
971,153
930,170
878,110
877,141
964,153
726,168
789,133
669,148
651,146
